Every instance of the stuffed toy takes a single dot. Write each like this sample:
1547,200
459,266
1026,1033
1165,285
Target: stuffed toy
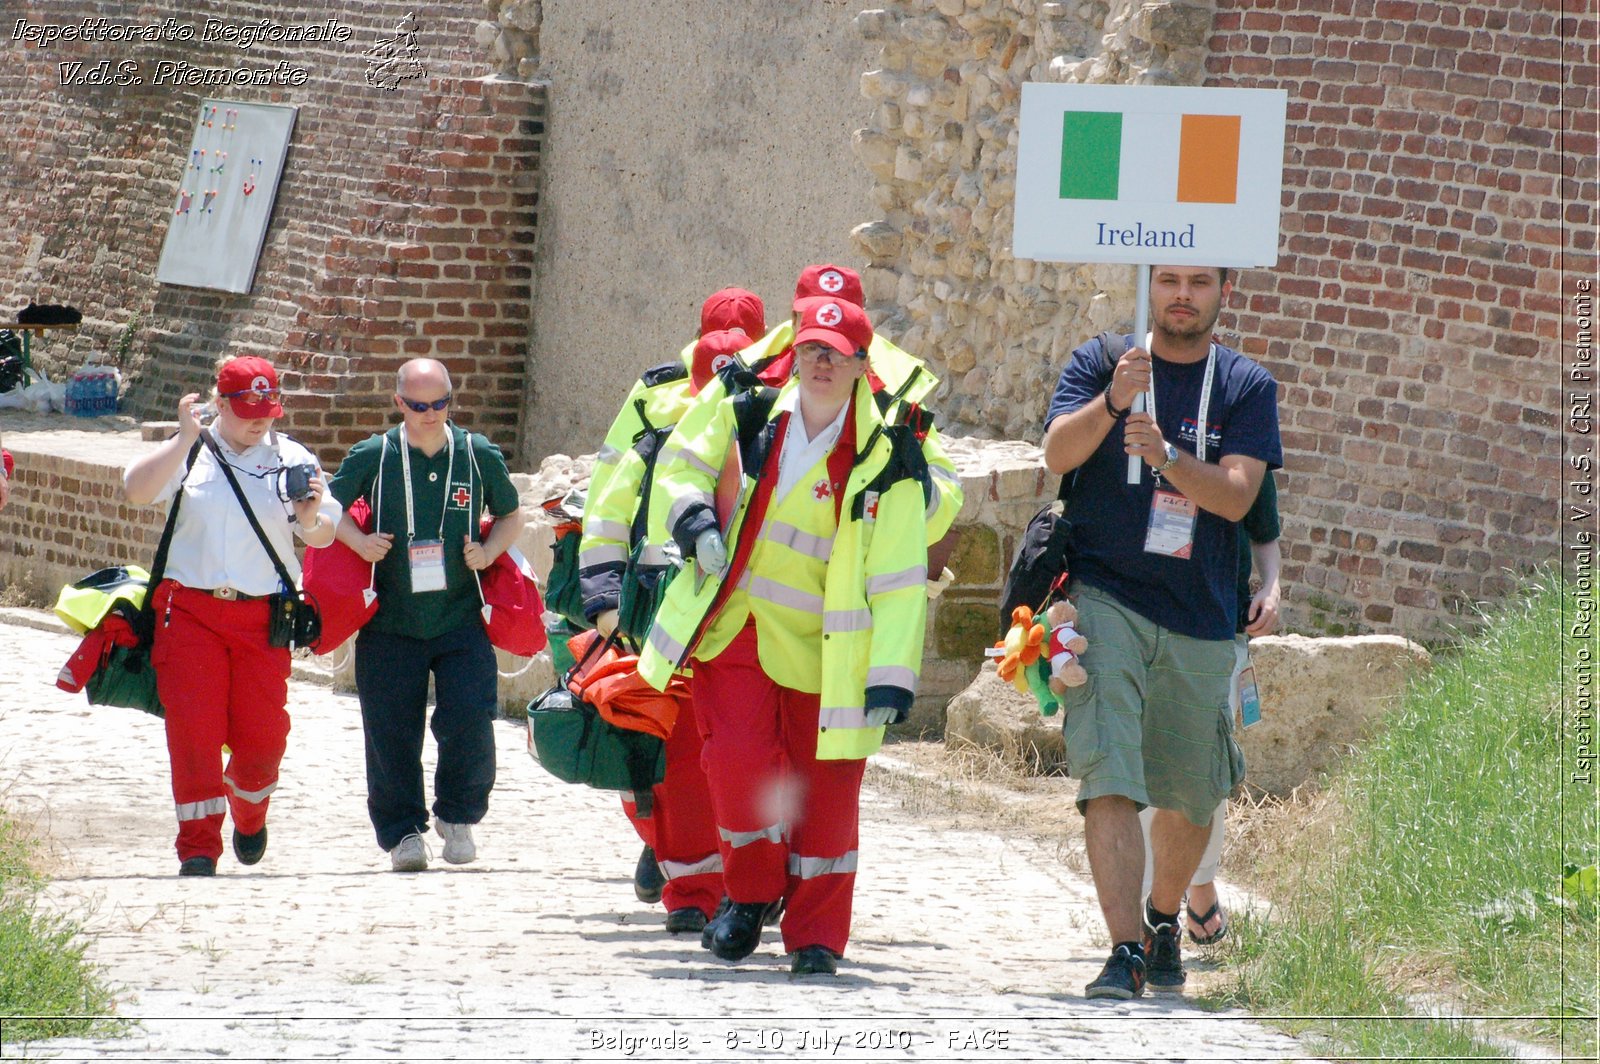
1021,647
1064,647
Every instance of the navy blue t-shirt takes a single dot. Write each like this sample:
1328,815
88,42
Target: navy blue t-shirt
1195,596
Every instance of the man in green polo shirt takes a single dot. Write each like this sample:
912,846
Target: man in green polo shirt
427,482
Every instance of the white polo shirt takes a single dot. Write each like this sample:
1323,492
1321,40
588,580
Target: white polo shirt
213,545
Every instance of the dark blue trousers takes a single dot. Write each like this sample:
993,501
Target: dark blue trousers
392,682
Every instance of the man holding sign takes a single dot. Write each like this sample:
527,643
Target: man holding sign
1153,573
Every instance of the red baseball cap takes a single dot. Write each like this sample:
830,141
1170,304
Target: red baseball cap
835,282
250,385
734,308
841,325
713,351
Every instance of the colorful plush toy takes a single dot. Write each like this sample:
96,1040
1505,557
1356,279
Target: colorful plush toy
1021,647
1064,647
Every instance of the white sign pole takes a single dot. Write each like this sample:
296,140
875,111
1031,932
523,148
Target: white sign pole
1141,326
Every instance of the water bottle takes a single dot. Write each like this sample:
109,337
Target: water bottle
77,394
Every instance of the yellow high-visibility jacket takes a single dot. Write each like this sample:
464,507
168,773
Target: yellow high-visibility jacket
613,504
907,383
840,605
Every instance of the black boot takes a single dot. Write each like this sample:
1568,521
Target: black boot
739,932
249,848
716,919
814,960
647,878
685,921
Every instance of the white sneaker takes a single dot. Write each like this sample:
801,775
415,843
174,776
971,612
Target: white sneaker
411,855
458,845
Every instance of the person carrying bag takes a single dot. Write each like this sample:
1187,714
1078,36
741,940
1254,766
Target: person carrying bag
220,673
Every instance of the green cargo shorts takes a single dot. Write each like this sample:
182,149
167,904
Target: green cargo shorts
1152,722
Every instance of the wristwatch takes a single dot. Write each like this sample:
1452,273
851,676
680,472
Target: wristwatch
1172,460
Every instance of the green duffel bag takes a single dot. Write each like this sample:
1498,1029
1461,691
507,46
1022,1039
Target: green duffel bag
126,679
644,588
574,744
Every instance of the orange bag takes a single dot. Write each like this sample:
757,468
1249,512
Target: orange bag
609,680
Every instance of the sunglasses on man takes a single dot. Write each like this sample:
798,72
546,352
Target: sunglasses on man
423,408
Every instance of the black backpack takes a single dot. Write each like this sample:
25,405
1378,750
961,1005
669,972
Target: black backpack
1039,569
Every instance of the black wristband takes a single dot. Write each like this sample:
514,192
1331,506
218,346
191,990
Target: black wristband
1116,415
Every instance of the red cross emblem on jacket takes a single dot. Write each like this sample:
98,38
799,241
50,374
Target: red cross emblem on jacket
461,496
821,489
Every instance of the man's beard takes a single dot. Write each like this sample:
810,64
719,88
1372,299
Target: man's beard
1197,326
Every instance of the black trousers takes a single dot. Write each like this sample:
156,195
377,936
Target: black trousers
392,682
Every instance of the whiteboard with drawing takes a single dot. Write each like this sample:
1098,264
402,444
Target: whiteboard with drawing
218,218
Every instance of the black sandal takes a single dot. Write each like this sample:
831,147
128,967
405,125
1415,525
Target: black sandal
1202,919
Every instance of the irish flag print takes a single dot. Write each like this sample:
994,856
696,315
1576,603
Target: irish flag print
1180,158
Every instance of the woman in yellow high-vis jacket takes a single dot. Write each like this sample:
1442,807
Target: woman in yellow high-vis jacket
802,615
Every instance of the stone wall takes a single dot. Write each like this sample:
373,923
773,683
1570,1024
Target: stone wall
403,223
691,146
1413,320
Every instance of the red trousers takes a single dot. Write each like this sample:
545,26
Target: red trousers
221,684
787,822
680,827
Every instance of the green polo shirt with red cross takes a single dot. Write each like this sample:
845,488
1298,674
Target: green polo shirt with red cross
459,495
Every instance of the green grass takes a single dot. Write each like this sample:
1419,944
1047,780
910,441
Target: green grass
46,988
1444,878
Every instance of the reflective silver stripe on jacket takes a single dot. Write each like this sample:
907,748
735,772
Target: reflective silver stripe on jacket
251,796
787,535
684,505
892,676
940,473
696,461
842,717
654,554
915,576
770,590
773,833
665,645
847,620
812,867
600,528
201,810
602,554
607,454
705,866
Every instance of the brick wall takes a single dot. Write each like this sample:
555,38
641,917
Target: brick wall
403,224
1440,178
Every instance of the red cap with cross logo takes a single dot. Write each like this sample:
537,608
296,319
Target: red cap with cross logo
834,282
842,326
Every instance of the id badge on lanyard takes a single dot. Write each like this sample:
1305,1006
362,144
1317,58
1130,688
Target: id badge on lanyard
427,565
425,556
1249,694
1170,530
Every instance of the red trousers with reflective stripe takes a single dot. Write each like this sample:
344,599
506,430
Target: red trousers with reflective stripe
681,829
760,757
221,684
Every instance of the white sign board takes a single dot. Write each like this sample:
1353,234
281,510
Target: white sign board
223,202
1149,174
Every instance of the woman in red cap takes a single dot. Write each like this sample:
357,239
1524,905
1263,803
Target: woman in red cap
219,677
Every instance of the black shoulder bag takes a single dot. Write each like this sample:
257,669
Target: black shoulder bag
294,621
1039,568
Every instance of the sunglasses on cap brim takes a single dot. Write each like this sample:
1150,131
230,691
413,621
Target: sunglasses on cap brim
422,408
252,397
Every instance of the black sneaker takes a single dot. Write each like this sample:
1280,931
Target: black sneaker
1122,978
197,866
249,848
685,921
647,878
1163,951
710,929
814,960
